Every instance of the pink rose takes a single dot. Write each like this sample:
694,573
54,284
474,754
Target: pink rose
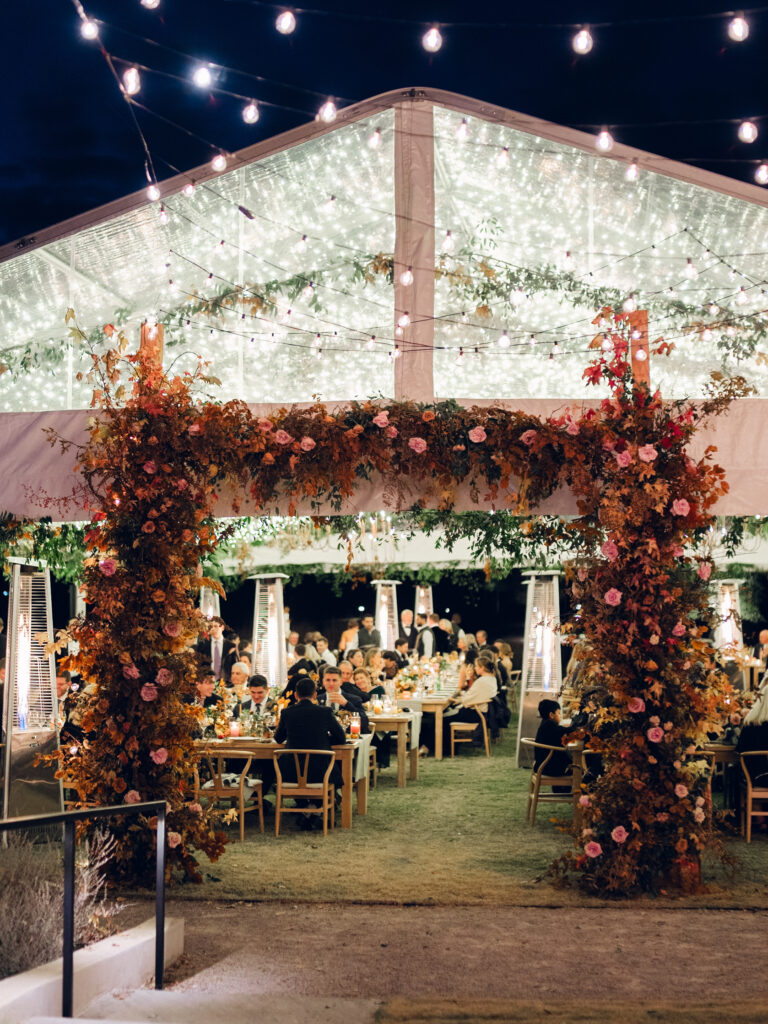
572,429
195,809
636,705
265,425
655,735
647,453
700,801
172,628
150,467
381,419
678,629
619,834
283,437
699,815
478,435
194,428
149,692
130,672
181,484
163,677
159,756
108,566
623,458
148,527
612,597
681,791
528,437
132,797
677,551
734,718
680,507
391,431
418,444
583,800
704,570
306,444
173,840
593,849
610,551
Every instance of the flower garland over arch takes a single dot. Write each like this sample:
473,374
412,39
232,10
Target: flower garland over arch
157,457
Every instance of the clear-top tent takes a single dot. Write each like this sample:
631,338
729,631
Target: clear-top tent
289,270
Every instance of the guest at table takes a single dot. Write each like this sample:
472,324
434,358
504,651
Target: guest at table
309,726
367,687
367,634
401,652
355,688
445,640
258,702
754,736
336,699
390,664
466,643
407,630
206,697
348,639
464,705
238,676
374,662
481,638
290,646
325,654
346,668
302,665
552,733
760,650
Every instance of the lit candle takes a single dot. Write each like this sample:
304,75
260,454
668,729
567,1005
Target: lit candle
234,728
354,727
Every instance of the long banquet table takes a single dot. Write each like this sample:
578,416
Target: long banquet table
262,750
434,704
403,723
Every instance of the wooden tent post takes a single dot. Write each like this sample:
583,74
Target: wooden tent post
151,343
638,324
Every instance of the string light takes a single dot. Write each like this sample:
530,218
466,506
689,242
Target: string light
406,278
741,297
131,81
632,172
189,189
301,245
502,160
568,262
251,112
690,270
327,113
761,174
630,305
309,290
604,141
738,28
448,244
517,296
460,357
153,193
285,23
374,139
163,215
89,29
582,42
371,343
504,341
747,131
202,77
641,355
462,132
219,162
151,5
404,321
432,40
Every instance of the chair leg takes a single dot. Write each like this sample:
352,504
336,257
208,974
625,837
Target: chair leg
278,805
528,806
261,811
241,810
453,741
535,801
749,820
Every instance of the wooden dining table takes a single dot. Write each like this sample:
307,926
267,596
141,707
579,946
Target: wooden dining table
432,704
399,722
262,750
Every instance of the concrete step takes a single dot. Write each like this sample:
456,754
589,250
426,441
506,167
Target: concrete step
147,1006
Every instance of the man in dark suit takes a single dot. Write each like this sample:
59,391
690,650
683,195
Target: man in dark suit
218,653
551,733
344,696
367,634
308,726
426,644
259,702
407,629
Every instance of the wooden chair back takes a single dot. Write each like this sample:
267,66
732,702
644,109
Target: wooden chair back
302,788
750,792
539,779
470,727
220,789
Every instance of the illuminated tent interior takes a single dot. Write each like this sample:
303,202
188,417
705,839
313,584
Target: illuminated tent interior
425,245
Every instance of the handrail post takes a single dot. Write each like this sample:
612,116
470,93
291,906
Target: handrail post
68,937
160,899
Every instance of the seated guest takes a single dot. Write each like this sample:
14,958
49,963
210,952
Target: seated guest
259,702
337,699
238,677
364,683
326,655
206,698
401,651
290,645
481,638
374,663
466,643
551,732
309,726
390,664
359,686
754,736
357,658
303,665
465,704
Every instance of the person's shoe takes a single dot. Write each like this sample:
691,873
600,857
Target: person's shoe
423,751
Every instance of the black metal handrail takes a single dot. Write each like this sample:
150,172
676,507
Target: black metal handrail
68,819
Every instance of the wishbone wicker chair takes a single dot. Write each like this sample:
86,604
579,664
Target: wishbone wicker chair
302,788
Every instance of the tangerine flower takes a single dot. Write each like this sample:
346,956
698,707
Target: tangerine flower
418,444
612,597
619,834
427,416
148,527
593,849
477,434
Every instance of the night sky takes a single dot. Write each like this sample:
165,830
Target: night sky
69,143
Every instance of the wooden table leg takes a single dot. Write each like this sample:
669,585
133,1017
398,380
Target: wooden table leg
438,734
361,788
413,757
346,792
402,742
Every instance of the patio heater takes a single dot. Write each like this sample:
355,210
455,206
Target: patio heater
423,604
269,650
210,603
385,615
729,639
542,674
30,704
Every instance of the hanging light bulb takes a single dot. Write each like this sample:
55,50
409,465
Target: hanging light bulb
582,42
285,23
448,243
742,298
517,296
404,321
604,141
747,131
406,278
706,334
327,113
189,189
163,217
202,77
301,245
630,305
153,193
131,81
556,349
532,340
713,309
738,28
309,290
606,344
632,172
89,29
251,112
151,5
641,355
761,174
462,132
690,270
374,139
568,261
504,341
396,353
502,160
432,40
371,343
219,162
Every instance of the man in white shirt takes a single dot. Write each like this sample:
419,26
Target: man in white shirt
407,629
326,655
290,646
426,645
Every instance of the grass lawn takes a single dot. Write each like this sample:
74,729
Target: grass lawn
456,836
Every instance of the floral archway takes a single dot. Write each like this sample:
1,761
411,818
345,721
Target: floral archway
158,457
